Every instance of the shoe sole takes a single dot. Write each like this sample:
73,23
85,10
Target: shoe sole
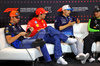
92,61
61,63
80,58
38,43
86,59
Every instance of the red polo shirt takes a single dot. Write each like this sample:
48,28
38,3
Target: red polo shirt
37,25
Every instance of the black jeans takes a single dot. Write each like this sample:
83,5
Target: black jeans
88,41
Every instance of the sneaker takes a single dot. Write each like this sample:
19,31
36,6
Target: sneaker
80,56
91,60
71,40
98,59
86,57
61,61
38,42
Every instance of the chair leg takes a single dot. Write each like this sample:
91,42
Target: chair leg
33,63
37,61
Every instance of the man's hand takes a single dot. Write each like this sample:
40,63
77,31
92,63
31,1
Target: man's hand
71,23
31,29
78,21
22,33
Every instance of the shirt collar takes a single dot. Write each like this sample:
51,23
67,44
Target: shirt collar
12,24
64,16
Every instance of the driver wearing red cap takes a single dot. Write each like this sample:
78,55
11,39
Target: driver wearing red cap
51,35
38,24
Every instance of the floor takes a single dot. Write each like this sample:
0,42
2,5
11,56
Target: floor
70,58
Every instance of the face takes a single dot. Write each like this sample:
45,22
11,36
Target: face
66,12
15,19
43,16
97,14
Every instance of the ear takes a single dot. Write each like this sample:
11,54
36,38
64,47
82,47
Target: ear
40,15
64,11
11,18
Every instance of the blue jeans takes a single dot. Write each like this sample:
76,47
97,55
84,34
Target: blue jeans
27,44
54,36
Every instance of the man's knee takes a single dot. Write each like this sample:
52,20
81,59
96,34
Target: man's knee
43,30
49,27
89,37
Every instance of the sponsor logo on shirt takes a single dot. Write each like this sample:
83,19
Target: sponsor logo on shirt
36,22
63,20
42,21
37,25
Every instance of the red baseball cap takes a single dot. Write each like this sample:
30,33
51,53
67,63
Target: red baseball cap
40,11
14,13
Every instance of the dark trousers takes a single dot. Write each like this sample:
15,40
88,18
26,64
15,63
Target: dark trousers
88,41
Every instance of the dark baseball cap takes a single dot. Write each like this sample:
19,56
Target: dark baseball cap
97,9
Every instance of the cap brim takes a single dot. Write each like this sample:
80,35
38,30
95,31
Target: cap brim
96,10
70,9
46,12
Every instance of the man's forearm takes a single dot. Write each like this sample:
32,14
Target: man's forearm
12,39
63,27
91,29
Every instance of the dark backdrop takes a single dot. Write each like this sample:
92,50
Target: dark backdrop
83,9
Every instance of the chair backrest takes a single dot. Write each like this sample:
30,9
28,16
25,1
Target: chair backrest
80,30
3,42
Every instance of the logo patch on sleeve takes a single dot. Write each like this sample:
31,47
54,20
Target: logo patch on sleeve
7,31
42,21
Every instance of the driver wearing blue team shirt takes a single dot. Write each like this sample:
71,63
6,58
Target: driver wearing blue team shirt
64,23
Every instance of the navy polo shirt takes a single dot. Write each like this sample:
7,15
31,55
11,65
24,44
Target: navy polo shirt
13,30
62,20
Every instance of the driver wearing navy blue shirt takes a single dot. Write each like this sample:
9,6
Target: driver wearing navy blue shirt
64,23
62,20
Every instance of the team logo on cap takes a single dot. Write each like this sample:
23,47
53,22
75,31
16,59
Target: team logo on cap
16,13
98,9
68,6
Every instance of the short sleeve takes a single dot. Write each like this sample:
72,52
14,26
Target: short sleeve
57,23
7,31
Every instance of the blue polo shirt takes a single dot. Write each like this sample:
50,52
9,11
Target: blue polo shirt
13,30
62,20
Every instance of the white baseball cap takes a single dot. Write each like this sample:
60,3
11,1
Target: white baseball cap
67,7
